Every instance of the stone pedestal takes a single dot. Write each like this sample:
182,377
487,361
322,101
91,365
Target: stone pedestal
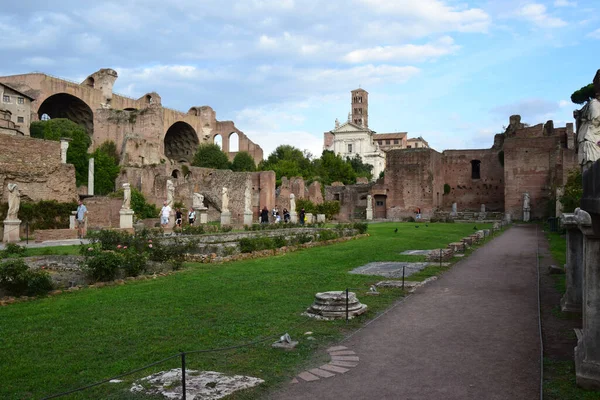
202,215
482,209
91,176
293,217
72,220
247,218
369,214
11,231
587,352
320,218
226,218
571,301
126,218
526,214
454,212
309,218
508,218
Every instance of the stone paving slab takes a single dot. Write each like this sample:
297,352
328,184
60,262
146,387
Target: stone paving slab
321,373
342,353
336,348
417,252
345,358
390,269
343,363
334,368
307,376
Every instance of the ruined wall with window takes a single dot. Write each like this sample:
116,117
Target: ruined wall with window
537,160
413,180
475,177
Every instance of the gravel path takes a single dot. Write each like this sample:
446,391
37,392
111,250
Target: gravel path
472,334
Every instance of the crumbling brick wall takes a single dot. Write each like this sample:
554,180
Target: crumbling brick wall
35,165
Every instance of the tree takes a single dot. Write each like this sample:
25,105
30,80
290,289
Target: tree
584,94
77,155
243,161
106,169
210,155
362,169
332,168
288,161
573,191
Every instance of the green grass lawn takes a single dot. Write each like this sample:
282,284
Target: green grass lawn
52,250
59,343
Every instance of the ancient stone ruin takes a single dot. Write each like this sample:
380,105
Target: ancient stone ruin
332,305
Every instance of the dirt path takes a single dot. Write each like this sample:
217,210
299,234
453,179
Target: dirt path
472,334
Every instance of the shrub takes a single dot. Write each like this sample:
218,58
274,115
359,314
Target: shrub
110,239
328,235
447,188
102,266
329,208
248,245
134,262
142,208
361,227
18,280
13,250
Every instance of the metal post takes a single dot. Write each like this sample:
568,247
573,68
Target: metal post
347,305
183,375
403,267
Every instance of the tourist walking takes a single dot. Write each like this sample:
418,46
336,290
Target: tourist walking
286,215
191,216
264,215
301,216
165,214
178,217
80,217
275,212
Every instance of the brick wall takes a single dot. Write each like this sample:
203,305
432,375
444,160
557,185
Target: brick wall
470,193
42,235
35,165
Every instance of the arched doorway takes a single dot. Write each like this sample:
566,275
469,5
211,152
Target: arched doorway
234,142
181,142
63,105
218,140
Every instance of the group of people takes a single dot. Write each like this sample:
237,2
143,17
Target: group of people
165,215
276,215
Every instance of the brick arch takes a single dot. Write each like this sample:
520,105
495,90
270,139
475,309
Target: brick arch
181,142
234,142
64,105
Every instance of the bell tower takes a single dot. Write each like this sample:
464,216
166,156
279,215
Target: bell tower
360,107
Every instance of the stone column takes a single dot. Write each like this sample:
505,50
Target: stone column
293,213
91,176
248,205
64,146
369,208
587,352
571,301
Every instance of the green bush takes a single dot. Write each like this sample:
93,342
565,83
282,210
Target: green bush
134,262
102,266
110,239
248,245
13,250
141,207
18,280
45,214
328,235
361,227
447,188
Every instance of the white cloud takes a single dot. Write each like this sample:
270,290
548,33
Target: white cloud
432,13
564,103
564,3
297,44
534,109
407,52
39,61
536,13
595,34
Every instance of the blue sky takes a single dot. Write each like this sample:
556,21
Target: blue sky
450,71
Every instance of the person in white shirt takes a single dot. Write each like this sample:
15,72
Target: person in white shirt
165,214
191,216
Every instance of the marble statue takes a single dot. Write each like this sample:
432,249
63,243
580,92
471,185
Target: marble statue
526,207
526,200
14,201
126,196
292,203
588,132
225,202
247,200
369,202
337,123
198,201
170,193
